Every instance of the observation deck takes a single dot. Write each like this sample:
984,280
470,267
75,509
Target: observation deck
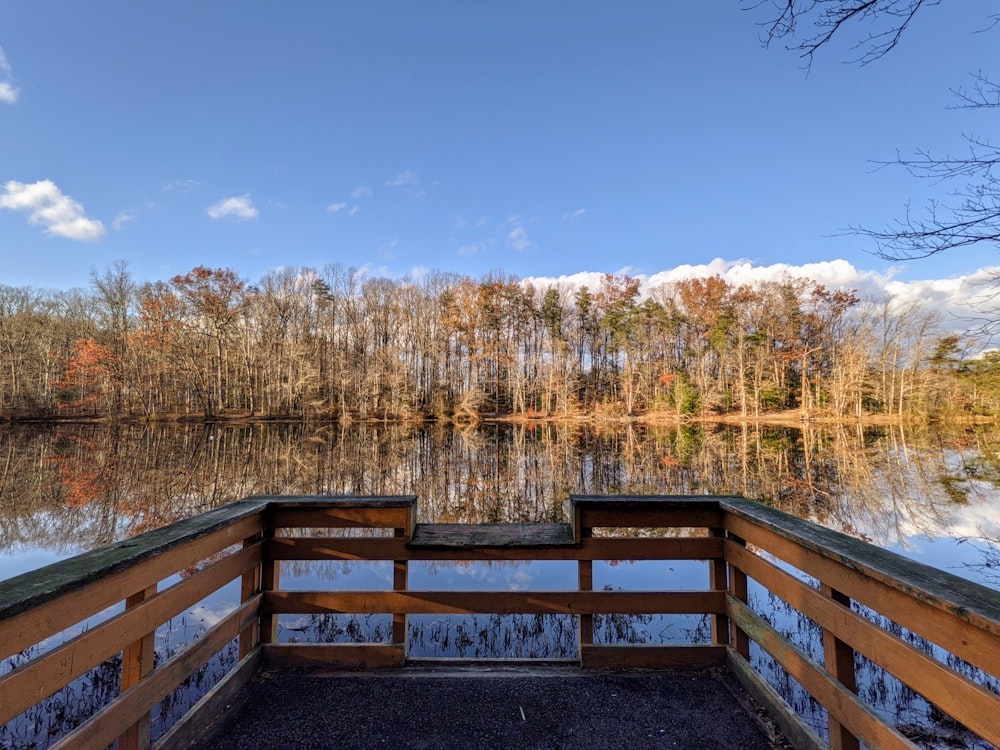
869,609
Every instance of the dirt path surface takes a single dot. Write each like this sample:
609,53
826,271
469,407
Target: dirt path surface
485,707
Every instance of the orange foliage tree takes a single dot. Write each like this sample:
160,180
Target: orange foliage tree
89,379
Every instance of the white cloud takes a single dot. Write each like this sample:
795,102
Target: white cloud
182,186
353,210
517,239
336,208
572,217
837,274
47,207
959,300
122,220
406,178
8,92
239,207
361,191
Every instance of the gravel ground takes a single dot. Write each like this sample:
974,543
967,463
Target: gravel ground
482,707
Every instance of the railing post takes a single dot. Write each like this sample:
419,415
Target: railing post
839,661
719,581
401,578
270,580
137,662
585,582
250,587
738,588
400,582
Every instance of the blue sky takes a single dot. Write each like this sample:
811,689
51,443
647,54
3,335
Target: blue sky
539,139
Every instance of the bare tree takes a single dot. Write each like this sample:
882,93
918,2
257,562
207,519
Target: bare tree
874,28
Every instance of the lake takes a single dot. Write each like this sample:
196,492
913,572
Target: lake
932,494
928,493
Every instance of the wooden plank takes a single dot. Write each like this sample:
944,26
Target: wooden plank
340,501
338,548
338,518
857,716
651,548
137,662
400,582
838,659
738,588
105,725
978,605
718,579
651,518
650,511
250,587
598,548
39,678
626,502
594,656
447,535
961,698
585,582
798,734
495,602
334,655
61,598
270,580
36,587
203,717
921,612
342,512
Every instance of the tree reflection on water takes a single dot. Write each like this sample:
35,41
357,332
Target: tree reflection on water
73,487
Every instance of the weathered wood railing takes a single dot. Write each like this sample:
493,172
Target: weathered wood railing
818,572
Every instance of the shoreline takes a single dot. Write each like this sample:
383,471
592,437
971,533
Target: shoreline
786,418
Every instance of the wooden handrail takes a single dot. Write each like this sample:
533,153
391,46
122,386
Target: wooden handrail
744,543
38,606
959,597
959,616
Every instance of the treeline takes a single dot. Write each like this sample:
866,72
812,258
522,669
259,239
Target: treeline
329,344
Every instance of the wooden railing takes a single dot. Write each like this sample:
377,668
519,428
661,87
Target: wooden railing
841,584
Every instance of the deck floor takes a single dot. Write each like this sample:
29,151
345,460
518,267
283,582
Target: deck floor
488,707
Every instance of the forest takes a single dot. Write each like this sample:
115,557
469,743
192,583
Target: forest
332,344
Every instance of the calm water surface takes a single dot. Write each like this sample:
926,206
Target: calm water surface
918,491
930,494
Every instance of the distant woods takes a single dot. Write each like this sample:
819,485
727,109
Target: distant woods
328,344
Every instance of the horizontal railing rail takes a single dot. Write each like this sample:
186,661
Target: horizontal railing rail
860,597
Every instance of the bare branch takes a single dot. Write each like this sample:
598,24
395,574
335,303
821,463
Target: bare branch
983,93
887,21
972,214
973,220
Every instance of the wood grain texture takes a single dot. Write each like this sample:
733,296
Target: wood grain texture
594,656
979,605
521,535
103,727
971,704
971,636
862,720
495,602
